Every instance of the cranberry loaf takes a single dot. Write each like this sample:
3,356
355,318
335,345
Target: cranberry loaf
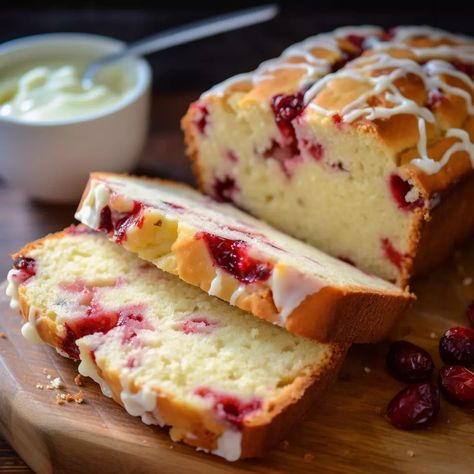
359,142
241,260
223,380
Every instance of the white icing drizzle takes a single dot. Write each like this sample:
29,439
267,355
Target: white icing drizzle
12,289
229,445
28,330
141,403
87,368
236,294
216,283
96,199
290,288
314,67
360,70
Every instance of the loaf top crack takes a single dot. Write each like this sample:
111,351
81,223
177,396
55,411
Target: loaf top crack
410,86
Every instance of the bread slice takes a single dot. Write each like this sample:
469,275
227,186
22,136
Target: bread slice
358,141
223,380
241,260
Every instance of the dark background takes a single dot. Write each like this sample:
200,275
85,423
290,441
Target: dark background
199,65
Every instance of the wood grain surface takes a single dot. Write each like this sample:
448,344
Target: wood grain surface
348,433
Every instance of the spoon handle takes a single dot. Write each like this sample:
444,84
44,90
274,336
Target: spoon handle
202,29
187,33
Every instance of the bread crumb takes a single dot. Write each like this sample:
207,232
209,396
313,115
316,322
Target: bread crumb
60,399
285,444
76,397
39,386
367,370
467,281
433,335
308,457
57,383
378,410
49,376
79,380
170,446
411,453
2,335
45,371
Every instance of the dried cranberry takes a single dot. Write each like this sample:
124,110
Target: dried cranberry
470,312
392,254
286,107
464,67
105,220
399,189
229,407
224,188
26,267
314,149
202,116
338,120
409,362
232,256
457,384
434,99
133,218
197,325
414,407
356,40
457,346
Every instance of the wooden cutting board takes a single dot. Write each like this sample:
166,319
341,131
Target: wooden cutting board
347,434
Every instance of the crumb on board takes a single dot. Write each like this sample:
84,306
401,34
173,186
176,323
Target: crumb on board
62,398
285,444
367,370
467,281
378,410
39,386
57,383
2,335
308,457
170,446
79,380
45,371
75,397
411,453
433,335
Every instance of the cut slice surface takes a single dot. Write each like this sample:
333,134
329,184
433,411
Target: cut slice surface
224,380
240,259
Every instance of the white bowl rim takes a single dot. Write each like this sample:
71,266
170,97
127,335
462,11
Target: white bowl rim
142,66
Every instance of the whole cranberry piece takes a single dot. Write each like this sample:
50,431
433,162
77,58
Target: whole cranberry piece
414,407
409,362
457,346
457,384
470,312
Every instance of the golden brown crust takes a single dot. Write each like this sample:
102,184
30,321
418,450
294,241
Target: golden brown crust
451,221
258,433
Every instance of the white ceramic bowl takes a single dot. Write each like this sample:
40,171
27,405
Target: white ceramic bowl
51,160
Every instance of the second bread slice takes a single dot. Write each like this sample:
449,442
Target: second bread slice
239,259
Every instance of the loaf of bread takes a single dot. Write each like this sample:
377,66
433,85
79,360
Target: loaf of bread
224,381
359,142
241,260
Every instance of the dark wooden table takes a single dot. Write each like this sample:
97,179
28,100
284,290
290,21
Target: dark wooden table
22,220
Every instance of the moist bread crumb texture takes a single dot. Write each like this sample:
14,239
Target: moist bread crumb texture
223,380
240,259
357,141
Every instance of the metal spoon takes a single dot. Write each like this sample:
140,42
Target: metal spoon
184,34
